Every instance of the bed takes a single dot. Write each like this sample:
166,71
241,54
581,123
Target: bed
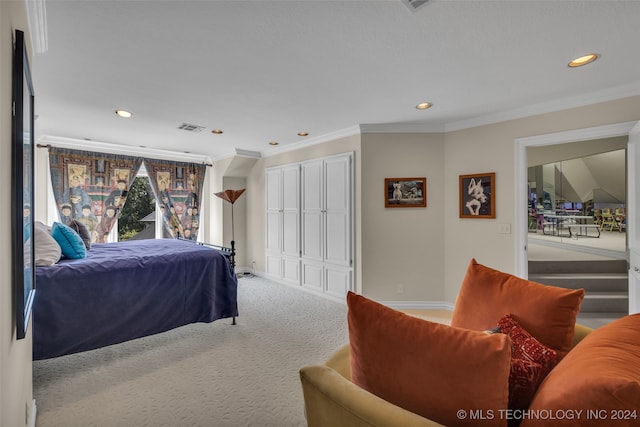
128,290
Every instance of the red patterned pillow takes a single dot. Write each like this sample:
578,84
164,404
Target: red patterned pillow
531,361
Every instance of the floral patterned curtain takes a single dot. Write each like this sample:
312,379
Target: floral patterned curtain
91,187
178,189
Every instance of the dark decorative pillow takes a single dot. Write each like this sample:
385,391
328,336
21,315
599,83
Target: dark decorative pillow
82,231
70,242
531,361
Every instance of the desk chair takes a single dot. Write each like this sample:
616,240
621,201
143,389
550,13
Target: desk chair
620,216
597,217
608,219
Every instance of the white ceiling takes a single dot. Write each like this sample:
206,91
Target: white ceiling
264,70
600,178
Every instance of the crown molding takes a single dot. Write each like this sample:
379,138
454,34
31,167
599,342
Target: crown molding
248,153
107,147
401,128
596,97
532,110
238,152
37,18
586,134
332,136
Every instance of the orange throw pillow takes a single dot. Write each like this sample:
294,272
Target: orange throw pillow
547,312
427,368
596,384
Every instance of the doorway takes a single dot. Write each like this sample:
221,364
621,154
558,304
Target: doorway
629,129
521,220
577,197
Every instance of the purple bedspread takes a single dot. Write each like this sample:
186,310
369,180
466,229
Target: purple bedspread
128,290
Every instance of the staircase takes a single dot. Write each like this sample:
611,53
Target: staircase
605,283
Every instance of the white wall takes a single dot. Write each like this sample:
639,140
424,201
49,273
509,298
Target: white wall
555,153
430,263
229,173
214,232
402,248
491,148
16,393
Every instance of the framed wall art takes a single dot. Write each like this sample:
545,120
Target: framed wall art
22,188
405,192
478,195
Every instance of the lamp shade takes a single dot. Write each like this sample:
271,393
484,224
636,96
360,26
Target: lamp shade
230,195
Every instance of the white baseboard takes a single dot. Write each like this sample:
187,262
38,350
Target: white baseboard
397,305
300,288
419,305
241,271
31,421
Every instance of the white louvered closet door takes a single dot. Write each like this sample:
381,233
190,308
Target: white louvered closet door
338,256
326,225
337,211
283,223
309,224
291,224
313,224
273,232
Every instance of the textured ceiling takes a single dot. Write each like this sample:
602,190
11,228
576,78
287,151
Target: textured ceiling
264,70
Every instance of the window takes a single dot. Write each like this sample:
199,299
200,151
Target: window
137,218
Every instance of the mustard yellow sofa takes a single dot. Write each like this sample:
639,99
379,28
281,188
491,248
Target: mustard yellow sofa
398,370
332,400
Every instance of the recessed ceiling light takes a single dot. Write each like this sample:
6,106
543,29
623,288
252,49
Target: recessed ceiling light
424,105
123,113
273,143
303,133
583,60
217,131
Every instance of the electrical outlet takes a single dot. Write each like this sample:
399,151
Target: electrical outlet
399,288
504,228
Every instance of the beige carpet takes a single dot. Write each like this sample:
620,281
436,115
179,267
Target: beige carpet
199,375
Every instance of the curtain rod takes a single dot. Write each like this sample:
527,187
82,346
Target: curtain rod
47,146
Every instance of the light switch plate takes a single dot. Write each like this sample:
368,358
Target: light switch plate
504,228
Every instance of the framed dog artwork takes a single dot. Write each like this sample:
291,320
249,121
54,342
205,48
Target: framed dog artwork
405,192
478,195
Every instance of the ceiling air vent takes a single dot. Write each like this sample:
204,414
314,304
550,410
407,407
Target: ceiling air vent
414,5
191,128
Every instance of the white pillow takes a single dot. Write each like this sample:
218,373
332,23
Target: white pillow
47,250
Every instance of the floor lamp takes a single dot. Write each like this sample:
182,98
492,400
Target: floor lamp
231,196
